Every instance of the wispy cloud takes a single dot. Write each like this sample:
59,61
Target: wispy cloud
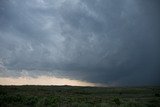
101,41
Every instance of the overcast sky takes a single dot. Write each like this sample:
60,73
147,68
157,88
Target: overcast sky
114,42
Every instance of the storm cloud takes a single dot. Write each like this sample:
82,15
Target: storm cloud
113,42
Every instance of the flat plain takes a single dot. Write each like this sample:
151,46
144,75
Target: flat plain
73,96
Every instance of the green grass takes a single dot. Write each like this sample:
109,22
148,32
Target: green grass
67,96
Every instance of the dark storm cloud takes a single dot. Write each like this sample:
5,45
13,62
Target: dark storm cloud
101,41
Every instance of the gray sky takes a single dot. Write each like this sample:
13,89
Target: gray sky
113,42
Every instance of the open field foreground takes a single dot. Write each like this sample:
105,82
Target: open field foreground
68,96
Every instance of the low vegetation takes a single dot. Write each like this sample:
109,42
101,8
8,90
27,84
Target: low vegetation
67,96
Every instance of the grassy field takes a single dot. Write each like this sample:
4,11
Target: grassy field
67,96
